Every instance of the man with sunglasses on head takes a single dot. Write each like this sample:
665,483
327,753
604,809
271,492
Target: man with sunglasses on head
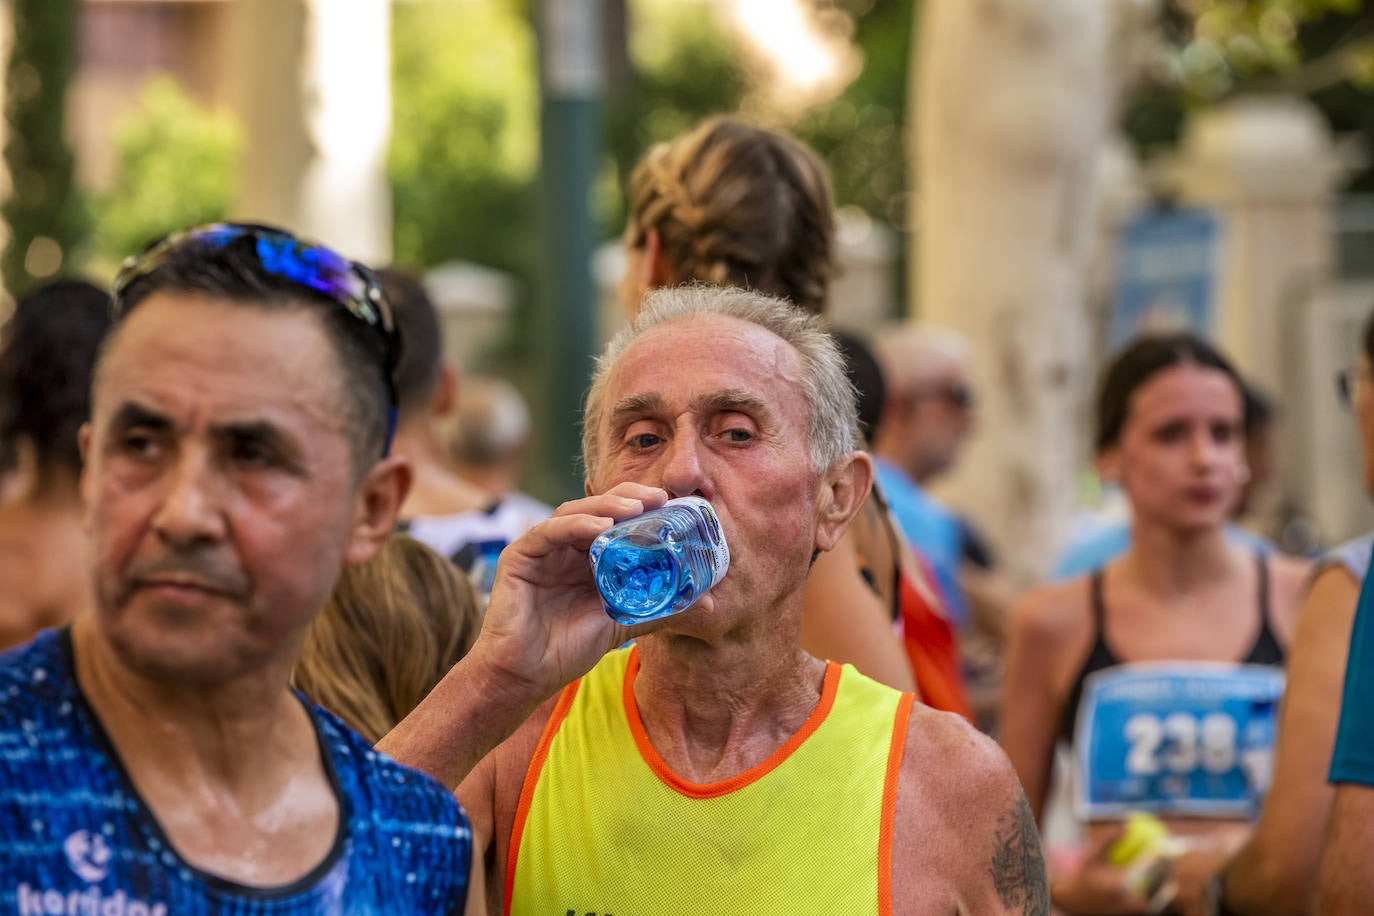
153,758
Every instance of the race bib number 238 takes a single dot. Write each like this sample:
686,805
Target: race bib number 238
1176,738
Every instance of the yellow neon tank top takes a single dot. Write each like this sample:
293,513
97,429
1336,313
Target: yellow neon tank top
605,827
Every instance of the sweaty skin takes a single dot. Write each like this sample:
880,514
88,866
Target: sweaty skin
846,619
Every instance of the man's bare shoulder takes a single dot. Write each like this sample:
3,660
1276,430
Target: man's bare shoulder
960,802
955,763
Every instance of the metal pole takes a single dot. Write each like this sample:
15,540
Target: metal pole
571,85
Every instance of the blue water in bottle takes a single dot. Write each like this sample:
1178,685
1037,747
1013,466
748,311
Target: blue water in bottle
661,562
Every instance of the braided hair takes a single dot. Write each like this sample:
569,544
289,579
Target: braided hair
737,205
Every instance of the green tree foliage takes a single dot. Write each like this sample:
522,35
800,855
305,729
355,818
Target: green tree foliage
45,213
684,67
687,65
464,136
1215,49
860,133
1219,46
176,165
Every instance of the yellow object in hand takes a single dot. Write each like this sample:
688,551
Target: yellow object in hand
1145,852
1145,837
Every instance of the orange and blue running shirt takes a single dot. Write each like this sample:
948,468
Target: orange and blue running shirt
604,826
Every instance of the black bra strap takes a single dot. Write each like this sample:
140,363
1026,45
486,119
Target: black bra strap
1099,604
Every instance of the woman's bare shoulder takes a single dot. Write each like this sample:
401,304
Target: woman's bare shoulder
1289,570
1055,610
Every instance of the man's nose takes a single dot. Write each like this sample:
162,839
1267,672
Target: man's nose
191,508
684,472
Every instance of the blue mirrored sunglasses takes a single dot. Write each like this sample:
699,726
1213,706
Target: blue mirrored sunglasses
304,263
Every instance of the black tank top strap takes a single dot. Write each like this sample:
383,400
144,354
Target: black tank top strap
1099,657
1266,650
895,544
1097,605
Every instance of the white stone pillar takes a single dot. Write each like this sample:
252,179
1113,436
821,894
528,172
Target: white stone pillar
1266,166
863,294
1012,102
314,98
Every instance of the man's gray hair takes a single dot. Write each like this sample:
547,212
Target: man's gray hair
832,418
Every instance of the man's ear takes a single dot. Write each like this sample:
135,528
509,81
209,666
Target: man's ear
376,507
844,490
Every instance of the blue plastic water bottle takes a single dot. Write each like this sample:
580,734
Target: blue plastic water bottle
661,562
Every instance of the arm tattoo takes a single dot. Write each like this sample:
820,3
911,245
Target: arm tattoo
1018,868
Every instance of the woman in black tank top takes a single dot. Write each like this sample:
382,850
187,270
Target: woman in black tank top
1265,650
1162,670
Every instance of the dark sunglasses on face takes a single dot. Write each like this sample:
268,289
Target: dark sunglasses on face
301,262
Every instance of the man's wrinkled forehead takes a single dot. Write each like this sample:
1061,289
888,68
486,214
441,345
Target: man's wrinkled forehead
191,343
627,409
747,358
745,350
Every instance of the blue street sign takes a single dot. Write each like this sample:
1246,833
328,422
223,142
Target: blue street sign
1167,278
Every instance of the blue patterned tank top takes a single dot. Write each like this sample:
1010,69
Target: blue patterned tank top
76,838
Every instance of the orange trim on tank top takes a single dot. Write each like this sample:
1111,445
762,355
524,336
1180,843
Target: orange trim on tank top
522,810
894,771
716,789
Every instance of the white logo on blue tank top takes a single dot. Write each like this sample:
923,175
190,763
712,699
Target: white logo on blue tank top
88,855
1176,738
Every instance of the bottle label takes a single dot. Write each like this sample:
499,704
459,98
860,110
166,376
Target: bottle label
715,538
1190,739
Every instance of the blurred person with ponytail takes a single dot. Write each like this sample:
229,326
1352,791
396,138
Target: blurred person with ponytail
391,630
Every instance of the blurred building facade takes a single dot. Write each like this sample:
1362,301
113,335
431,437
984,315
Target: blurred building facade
309,82
124,42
